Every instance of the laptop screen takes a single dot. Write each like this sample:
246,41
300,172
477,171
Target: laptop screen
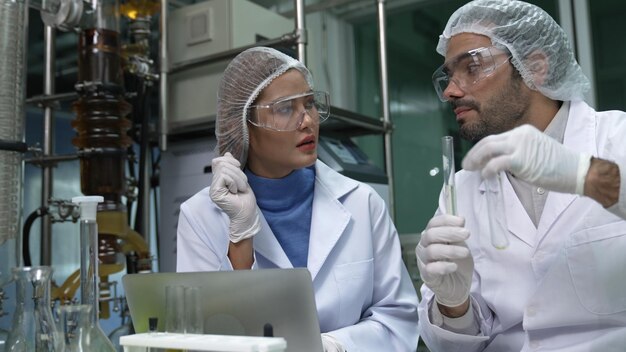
237,302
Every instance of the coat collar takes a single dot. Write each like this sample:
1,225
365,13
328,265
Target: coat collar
518,222
580,136
328,221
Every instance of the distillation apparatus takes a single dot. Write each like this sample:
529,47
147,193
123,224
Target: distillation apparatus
102,140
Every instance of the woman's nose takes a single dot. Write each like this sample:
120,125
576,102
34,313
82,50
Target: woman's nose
306,120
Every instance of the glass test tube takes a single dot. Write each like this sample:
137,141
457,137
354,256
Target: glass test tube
496,212
449,191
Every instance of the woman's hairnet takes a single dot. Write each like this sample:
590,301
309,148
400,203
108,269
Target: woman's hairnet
525,30
243,80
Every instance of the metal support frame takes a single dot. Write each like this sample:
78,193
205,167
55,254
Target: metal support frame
48,150
301,31
575,20
384,91
163,97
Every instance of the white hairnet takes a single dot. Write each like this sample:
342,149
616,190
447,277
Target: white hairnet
523,29
243,80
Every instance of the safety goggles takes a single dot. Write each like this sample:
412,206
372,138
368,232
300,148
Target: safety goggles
467,69
287,114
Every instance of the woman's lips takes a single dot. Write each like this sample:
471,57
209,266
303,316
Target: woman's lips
306,144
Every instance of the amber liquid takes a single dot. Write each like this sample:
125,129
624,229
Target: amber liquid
140,8
101,111
99,57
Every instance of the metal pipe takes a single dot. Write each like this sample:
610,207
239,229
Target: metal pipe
52,98
382,32
48,135
163,95
51,159
301,31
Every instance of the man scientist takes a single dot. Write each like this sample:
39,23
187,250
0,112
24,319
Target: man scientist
514,85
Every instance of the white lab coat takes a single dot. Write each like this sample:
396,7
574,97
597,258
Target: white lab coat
363,292
558,287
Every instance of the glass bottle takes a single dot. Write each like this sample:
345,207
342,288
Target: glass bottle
89,269
33,327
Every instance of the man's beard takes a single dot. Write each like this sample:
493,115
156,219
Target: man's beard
499,114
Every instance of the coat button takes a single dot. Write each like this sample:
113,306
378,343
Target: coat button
534,344
541,191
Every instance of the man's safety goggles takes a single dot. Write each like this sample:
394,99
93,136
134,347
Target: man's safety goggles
467,69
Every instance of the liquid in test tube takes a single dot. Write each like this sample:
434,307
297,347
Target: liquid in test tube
449,191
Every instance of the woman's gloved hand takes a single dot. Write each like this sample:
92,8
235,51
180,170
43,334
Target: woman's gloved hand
444,261
331,344
231,192
532,156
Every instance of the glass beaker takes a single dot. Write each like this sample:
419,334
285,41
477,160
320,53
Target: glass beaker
33,327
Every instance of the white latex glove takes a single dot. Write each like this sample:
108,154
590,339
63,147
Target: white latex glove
444,261
231,192
532,156
331,344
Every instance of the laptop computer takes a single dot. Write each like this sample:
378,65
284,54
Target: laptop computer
237,302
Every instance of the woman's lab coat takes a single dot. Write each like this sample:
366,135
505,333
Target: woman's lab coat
363,292
558,287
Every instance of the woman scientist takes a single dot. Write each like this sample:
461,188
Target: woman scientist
272,204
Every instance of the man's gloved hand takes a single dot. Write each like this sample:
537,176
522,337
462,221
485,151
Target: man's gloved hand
231,192
532,156
331,344
444,261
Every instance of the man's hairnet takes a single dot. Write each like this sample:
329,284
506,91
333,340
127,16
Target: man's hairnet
243,80
525,30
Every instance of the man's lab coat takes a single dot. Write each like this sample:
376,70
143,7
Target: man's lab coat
558,287
363,292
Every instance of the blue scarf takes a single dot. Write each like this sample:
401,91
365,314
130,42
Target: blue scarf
287,205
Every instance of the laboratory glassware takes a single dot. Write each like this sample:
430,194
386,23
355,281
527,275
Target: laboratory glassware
194,323
14,31
75,326
89,268
449,190
33,327
175,308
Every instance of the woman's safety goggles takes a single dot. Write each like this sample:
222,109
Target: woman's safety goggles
287,114
467,69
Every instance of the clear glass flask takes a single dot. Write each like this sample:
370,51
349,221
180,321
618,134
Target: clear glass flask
75,325
89,269
33,327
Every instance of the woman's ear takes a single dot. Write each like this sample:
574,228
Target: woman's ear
538,65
